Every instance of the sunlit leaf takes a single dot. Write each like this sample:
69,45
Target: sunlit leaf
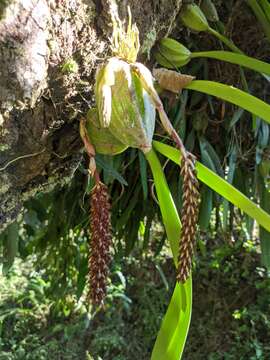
172,335
221,186
234,96
234,58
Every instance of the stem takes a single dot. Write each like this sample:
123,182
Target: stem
229,43
89,148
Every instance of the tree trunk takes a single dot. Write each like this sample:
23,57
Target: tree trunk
49,52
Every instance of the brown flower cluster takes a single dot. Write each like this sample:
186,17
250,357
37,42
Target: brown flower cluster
189,216
100,243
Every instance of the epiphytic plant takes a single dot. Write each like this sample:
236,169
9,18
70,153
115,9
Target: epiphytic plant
125,117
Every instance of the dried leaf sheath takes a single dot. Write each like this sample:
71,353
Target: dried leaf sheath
189,216
101,238
172,80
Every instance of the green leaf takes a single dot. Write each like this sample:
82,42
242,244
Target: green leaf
190,142
102,139
82,276
265,5
233,58
261,16
210,157
167,206
264,194
221,186
235,118
233,95
209,10
230,176
106,164
179,120
206,207
10,246
263,135
122,220
143,172
172,335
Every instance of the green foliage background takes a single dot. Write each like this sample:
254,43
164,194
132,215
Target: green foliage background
230,309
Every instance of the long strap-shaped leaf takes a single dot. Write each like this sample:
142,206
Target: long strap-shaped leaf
221,186
234,96
172,335
264,194
234,58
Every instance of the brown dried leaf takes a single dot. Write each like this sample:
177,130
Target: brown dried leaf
172,80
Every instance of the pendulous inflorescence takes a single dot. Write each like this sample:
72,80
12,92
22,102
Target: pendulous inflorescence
189,216
100,243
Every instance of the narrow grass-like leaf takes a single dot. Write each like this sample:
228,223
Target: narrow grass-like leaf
265,5
143,172
235,118
234,96
206,207
205,157
167,206
163,277
264,194
261,17
208,152
221,186
106,164
233,58
172,335
230,176
11,239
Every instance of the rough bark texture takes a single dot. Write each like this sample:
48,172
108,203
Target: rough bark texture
49,51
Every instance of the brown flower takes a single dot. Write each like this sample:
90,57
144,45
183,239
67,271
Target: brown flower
189,216
101,238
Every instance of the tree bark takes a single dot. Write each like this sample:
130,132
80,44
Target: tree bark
49,52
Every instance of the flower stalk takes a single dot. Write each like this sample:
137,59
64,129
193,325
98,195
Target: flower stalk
100,229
